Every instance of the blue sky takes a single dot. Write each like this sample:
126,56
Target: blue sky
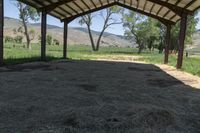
11,11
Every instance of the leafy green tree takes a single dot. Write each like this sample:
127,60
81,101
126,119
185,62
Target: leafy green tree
49,39
27,13
8,39
146,31
18,39
191,29
142,30
56,42
108,21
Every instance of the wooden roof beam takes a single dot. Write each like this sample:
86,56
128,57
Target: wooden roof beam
69,19
176,9
51,7
162,20
189,4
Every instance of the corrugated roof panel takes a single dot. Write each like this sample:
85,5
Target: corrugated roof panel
74,7
156,8
163,11
183,3
176,18
77,6
141,4
195,5
171,1
148,6
169,15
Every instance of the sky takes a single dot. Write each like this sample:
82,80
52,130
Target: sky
11,11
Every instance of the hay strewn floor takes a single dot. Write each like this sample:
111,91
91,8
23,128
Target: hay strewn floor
95,97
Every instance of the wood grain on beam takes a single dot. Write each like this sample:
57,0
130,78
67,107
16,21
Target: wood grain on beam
54,5
176,9
1,30
147,14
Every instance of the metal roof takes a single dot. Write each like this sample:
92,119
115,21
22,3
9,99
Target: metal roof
164,10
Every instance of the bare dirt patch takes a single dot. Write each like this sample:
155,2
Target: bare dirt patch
96,97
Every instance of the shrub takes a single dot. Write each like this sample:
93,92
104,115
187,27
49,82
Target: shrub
49,39
18,39
9,39
56,42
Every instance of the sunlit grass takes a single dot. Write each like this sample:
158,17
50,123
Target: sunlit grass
19,54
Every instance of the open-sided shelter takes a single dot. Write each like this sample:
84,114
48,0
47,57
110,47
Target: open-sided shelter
169,12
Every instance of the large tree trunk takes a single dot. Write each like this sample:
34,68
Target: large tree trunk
27,35
91,38
99,40
140,49
140,45
25,28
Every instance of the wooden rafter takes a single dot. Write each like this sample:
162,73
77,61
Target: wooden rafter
89,11
152,7
57,10
93,3
172,7
85,4
54,5
74,2
1,30
145,4
164,21
189,4
71,8
101,2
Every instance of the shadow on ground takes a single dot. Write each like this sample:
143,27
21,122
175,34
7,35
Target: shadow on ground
13,61
95,97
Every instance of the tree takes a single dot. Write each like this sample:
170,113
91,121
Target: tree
18,39
49,39
8,39
56,42
191,29
136,28
108,19
27,13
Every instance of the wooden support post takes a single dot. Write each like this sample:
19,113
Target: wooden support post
43,36
167,43
65,36
1,30
183,27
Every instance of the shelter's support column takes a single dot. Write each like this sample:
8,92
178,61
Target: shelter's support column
183,27
43,36
167,43
1,30
65,36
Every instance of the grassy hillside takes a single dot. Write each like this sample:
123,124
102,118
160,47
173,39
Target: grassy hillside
76,36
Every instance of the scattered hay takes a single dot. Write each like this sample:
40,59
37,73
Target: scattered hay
26,67
96,97
163,82
143,69
88,87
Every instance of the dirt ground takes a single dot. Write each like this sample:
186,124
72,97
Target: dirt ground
97,97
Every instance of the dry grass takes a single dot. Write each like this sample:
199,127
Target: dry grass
95,97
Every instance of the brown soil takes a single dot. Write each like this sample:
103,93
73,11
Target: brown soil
98,97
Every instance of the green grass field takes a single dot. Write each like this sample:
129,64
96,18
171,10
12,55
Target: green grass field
18,54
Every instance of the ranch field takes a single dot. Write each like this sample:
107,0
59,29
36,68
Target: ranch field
91,94
18,54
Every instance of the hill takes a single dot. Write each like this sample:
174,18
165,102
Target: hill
75,35
195,46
